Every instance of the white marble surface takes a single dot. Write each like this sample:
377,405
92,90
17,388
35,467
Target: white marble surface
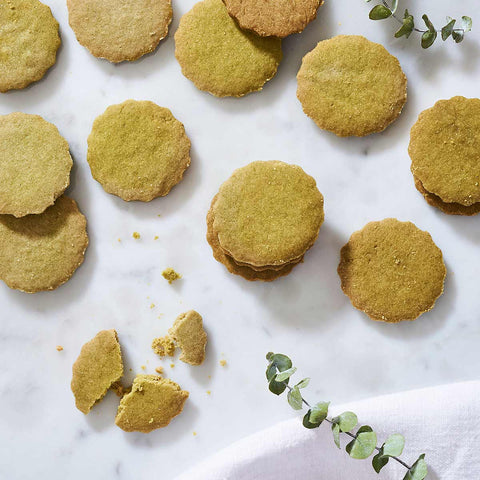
305,314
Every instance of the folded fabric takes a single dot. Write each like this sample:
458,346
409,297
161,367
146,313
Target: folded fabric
442,422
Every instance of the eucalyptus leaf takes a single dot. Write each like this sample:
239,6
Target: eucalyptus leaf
408,25
379,12
418,471
428,23
303,383
281,377
307,423
467,24
277,387
379,461
393,446
364,444
319,412
336,434
458,35
428,38
346,421
295,398
448,29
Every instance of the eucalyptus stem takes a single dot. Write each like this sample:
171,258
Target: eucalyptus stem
351,435
389,9
364,439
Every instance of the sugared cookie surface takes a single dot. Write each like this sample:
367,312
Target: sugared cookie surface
392,270
29,41
351,86
119,30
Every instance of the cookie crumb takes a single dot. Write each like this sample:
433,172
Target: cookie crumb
143,367
163,346
152,305
155,237
209,392
194,434
223,363
59,348
136,235
172,365
118,389
171,275
159,370
119,240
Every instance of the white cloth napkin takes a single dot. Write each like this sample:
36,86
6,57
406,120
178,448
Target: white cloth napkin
442,422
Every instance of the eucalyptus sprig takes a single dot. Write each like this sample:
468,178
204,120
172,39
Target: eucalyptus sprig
363,441
389,10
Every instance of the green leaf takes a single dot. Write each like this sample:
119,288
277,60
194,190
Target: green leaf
307,423
407,28
458,35
428,23
285,374
364,444
418,471
336,434
277,387
428,38
393,446
319,412
466,24
303,383
295,398
379,461
346,421
379,12
448,29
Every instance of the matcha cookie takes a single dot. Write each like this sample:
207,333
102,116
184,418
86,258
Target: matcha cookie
448,208
119,30
445,151
41,252
187,331
219,57
392,270
153,402
35,164
138,150
268,214
29,41
277,18
351,86
97,368
247,273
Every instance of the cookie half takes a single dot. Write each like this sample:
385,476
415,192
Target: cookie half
119,30
138,150
392,270
41,252
96,369
277,18
351,86
35,164
219,57
445,151
29,41
268,213
152,403
448,208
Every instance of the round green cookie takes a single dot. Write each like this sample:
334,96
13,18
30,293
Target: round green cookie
138,150
29,41
392,270
219,57
35,164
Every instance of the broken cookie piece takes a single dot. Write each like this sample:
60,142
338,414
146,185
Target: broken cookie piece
164,346
188,333
153,402
96,369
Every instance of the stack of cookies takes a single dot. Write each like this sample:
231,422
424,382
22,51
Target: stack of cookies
43,234
264,219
